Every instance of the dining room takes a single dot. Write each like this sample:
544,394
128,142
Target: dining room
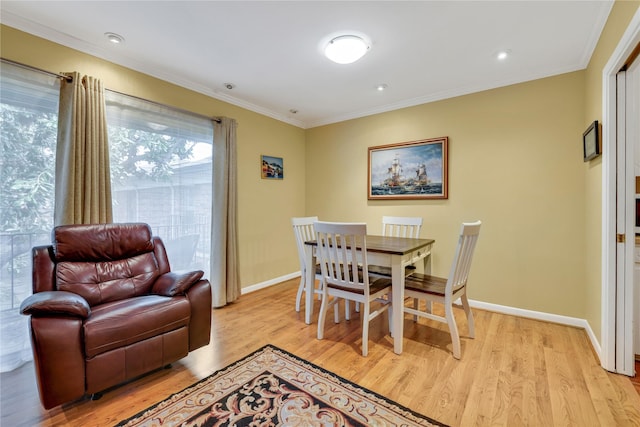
515,162
501,169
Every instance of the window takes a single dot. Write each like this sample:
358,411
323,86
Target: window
161,163
28,123
28,132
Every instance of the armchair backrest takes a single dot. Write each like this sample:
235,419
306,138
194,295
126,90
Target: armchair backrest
100,242
102,262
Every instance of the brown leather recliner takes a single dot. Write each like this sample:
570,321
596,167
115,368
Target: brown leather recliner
106,308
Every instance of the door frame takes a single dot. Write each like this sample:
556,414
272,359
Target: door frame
623,51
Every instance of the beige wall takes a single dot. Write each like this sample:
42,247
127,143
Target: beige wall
515,162
267,248
618,21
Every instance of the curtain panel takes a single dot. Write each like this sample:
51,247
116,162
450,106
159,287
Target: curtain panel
83,181
225,269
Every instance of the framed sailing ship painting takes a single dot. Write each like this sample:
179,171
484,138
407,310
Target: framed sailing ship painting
409,170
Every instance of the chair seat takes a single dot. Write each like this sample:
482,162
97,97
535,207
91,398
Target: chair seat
376,284
380,270
133,320
427,284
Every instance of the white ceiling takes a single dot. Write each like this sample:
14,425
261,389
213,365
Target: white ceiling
271,50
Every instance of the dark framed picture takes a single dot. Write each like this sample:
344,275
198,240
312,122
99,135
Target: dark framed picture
591,142
409,170
272,167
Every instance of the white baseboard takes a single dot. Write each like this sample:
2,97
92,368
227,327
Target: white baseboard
546,317
536,315
262,285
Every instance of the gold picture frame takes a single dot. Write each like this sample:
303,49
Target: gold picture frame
409,170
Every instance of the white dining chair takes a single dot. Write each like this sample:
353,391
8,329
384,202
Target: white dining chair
342,252
304,231
401,226
447,290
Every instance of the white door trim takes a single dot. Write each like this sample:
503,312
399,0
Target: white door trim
617,60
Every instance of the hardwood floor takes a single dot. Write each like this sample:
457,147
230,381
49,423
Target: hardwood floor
515,372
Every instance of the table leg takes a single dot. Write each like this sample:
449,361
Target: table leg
309,283
397,278
426,262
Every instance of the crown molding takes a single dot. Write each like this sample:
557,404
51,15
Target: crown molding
69,41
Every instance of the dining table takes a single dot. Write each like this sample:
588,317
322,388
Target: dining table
387,251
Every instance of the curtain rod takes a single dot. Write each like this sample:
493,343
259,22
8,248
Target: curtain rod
32,68
70,79
180,110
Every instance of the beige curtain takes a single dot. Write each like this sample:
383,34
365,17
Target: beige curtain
83,181
225,277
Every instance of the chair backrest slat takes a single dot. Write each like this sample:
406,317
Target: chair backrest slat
303,231
401,226
461,264
342,263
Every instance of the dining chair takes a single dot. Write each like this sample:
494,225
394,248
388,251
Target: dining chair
401,226
342,251
447,290
304,231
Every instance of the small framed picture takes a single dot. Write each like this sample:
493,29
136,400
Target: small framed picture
272,167
591,142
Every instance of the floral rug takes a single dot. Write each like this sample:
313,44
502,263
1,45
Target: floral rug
272,387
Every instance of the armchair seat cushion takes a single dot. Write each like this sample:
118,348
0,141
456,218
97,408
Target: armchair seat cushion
124,322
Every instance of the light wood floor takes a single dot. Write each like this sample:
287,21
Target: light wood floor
515,372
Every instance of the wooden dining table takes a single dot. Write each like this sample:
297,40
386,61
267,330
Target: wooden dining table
388,251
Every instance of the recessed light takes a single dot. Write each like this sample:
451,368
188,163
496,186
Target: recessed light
114,38
381,87
229,86
502,55
346,49
293,111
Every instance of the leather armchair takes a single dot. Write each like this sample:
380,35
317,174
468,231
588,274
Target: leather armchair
106,308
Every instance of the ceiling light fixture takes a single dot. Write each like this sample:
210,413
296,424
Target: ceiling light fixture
502,55
114,38
381,87
346,49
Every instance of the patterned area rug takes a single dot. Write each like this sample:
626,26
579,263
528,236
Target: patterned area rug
272,387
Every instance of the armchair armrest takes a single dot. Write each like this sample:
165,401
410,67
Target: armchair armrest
176,282
50,303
